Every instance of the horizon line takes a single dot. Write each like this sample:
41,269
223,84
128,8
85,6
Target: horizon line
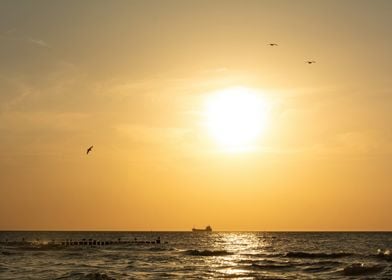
214,231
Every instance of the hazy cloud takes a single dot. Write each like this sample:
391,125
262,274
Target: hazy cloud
38,42
152,135
11,34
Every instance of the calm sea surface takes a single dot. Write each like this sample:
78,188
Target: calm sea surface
187,255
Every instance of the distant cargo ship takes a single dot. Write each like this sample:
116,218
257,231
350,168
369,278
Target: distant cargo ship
208,229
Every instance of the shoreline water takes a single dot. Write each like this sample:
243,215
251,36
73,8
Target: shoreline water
244,255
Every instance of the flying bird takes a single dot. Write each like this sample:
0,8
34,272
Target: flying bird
310,61
273,44
89,150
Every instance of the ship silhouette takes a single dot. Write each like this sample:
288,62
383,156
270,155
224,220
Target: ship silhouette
207,229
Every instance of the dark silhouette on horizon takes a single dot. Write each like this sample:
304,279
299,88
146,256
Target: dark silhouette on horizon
273,44
89,150
310,61
207,229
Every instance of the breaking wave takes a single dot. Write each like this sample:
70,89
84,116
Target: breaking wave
385,255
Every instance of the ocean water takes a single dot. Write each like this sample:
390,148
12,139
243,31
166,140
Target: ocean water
187,255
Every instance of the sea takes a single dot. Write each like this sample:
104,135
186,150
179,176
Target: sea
195,255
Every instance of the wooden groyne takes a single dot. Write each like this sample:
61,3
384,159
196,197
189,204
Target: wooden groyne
81,242
93,242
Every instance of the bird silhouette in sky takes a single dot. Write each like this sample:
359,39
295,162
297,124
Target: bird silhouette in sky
89,150
310,61
273,44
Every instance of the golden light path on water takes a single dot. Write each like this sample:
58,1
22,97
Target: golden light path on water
243,248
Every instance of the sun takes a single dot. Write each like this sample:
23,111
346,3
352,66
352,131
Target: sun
235,117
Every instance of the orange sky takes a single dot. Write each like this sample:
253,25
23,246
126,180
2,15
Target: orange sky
133,78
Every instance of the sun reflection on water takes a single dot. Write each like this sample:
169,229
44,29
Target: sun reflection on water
240,248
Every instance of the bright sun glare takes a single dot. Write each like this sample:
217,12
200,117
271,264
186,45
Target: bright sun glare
235,117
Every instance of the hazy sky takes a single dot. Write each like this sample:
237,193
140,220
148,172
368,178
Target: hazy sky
132,78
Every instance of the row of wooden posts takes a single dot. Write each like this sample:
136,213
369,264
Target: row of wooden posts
85,242
93,242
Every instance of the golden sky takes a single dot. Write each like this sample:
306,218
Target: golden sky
158,88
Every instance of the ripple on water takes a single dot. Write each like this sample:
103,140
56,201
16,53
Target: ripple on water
207,253
362,269
317,255
75,275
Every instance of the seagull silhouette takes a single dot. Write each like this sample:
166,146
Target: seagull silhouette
273,44
89,150
310,61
